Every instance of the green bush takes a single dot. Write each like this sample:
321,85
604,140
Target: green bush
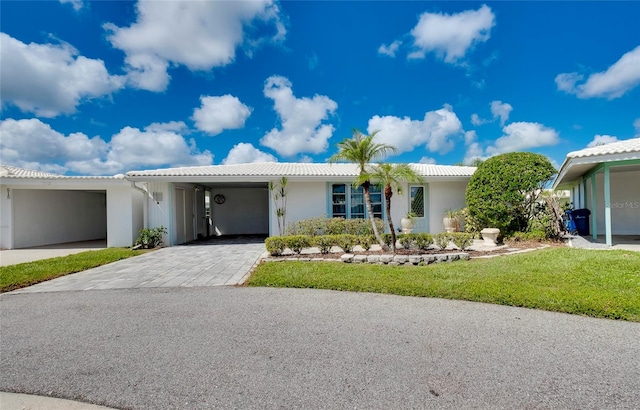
297,242
333,226
536,235
150,237
503,191
325,242
423,241
275,245
347,242
406,240
387,238
441,240
462,240
365,241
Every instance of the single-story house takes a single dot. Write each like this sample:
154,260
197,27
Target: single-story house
40,208
605,180
240,200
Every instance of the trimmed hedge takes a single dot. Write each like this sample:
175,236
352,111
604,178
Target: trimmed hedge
333,226
276,245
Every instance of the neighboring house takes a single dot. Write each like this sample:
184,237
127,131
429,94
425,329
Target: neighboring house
241,202
40,208
606,180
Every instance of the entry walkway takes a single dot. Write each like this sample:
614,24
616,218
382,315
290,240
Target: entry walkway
213,263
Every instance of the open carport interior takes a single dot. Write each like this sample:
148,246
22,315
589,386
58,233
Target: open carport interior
237,209
46,217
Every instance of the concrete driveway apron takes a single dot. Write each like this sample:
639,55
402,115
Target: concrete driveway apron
213,263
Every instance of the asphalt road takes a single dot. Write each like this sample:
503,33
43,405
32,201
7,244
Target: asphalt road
256,348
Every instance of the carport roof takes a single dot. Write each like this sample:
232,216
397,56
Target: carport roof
11,172
581,162
279,169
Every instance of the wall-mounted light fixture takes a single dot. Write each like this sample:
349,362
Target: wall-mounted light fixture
8,193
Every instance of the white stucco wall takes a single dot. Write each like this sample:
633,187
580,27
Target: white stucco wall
158,211
6,234
44,217
304,200
625,202
443,196
120,216
245,211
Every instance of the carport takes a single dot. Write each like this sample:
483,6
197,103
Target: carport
198,202
40,208
604,179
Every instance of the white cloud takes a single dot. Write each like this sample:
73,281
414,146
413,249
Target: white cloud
450,36
305,159
200,35
220,113
76,4
34,144
602,140
469,137
498,110
301,118
435,131
519,136
30,141
474,151
476,120
501,110
389,50
244,153
427,160
50,79
619,78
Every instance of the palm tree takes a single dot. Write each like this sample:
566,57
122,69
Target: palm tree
361,149
391,176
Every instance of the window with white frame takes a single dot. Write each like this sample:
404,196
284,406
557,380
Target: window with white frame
348,201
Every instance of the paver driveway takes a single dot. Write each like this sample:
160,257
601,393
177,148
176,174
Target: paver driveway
213,263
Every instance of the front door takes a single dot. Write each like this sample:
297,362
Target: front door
418,204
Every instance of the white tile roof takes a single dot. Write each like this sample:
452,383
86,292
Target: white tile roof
620,147
277,169
579,163
11,172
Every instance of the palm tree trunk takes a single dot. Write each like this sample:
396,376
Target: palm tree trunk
367,201
387,196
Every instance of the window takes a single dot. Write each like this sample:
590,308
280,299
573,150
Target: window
348,202
417,200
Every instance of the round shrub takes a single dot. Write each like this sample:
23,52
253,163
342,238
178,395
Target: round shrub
504,189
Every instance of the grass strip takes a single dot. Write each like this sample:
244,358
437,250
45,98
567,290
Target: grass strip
25,274
603,284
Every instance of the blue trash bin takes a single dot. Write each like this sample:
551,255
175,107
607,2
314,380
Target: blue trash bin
581,218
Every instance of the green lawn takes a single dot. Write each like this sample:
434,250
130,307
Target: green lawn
602,284
25,274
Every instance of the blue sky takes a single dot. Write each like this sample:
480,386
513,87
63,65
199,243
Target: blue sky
100,88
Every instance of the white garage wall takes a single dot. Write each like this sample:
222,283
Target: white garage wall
6,238
44,217
245,211
625,202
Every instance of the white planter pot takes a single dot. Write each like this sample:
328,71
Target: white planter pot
490,236
450,224
406,224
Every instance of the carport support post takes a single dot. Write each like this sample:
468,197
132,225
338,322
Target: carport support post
594,208
607,203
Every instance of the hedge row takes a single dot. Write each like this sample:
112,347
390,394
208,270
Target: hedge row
333,226
277,244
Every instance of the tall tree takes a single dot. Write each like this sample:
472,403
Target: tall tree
362,150
390,177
